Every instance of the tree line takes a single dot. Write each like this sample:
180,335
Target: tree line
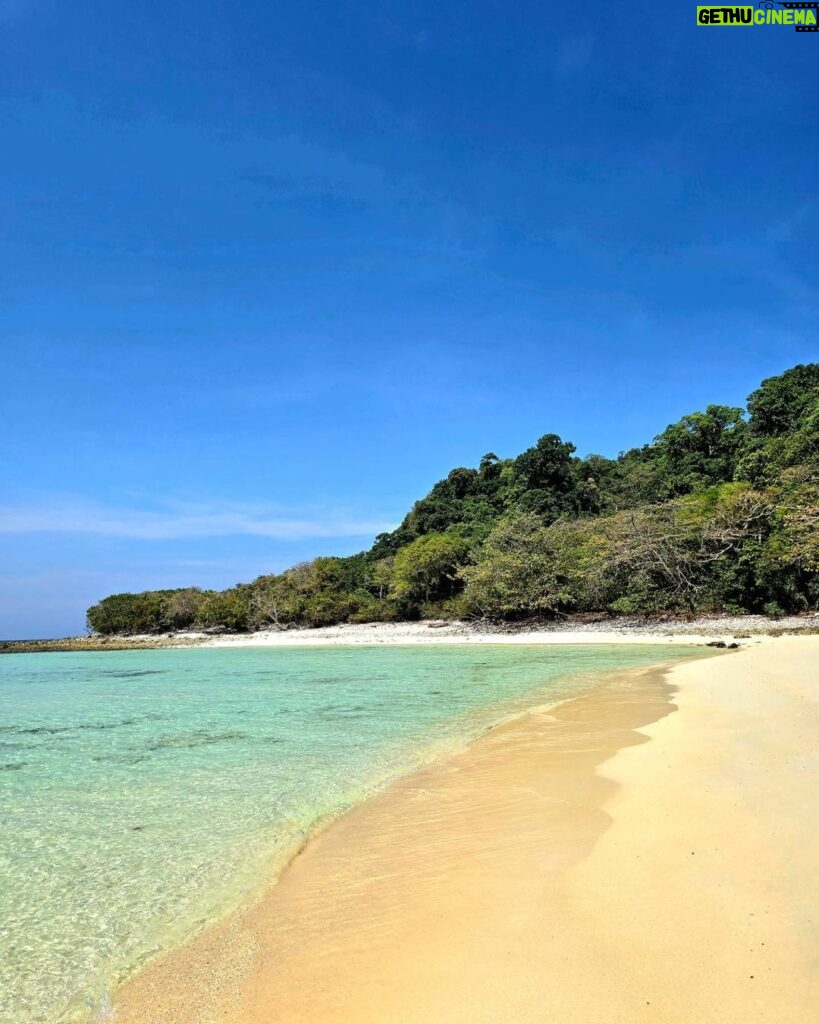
720,512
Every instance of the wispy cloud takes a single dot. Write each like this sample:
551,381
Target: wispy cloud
177,520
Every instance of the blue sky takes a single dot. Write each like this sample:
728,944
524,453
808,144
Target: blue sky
268,271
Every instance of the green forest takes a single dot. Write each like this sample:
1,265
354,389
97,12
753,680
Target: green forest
719,513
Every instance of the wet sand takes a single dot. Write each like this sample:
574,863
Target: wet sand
603,861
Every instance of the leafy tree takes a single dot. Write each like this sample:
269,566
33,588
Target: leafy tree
781,404
145,612
784,426
789,564
426,569
546,484
668,556
516,571
276,602
183,607
702,449
227,609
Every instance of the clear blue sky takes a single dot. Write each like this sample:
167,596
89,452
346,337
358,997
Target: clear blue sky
268,271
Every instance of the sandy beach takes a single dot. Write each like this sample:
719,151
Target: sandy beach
700,630
644,853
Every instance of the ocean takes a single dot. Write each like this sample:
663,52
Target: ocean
144,794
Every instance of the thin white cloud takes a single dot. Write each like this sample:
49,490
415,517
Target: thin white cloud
176,521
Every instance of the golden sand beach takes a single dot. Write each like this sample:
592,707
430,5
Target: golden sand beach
605,861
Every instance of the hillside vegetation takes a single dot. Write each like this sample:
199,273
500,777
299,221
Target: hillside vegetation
720,512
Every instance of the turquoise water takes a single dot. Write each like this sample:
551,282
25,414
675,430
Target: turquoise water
144,793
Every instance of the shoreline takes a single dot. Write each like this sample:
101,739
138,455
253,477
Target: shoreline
700,630
221,957
403,908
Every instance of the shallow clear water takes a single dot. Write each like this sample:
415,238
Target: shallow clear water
144,793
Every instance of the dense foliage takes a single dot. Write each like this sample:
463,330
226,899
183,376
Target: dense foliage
719,513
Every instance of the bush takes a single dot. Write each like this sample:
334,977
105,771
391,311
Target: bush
427,570
515,574
229,609
146,612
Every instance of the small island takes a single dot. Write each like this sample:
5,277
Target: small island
719,514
